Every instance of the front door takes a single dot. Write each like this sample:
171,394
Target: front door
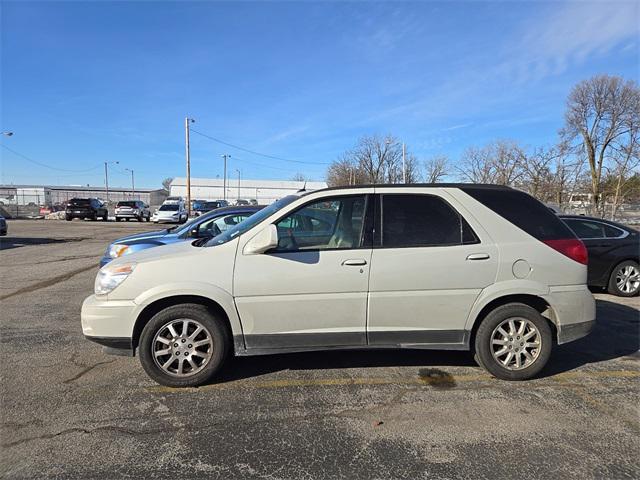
427,270
312,289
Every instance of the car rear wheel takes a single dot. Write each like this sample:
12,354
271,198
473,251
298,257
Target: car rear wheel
105,217
183,346
625,279
117,219
513,342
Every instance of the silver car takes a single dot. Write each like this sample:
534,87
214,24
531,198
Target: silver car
135,209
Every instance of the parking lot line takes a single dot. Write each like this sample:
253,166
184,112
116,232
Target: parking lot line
435,381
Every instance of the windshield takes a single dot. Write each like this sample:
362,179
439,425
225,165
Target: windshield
169,208
79,201
252,221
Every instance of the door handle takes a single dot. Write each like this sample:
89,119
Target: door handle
478,256
355,262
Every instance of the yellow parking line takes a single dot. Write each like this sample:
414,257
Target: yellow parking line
333,382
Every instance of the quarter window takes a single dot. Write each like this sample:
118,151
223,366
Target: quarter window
329,224
422,221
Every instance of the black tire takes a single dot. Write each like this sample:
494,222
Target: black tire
148,218
126,219
105,217
483,341
118,219
216,329
613,288
140,218
68,219
94,217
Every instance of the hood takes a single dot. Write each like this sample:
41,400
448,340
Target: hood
159,253
142,236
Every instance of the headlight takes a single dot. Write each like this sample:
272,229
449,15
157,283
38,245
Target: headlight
110,276
118,250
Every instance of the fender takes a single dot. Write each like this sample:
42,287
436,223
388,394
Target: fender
503,289
202,289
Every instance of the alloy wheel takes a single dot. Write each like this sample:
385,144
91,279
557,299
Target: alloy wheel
628,279
182,347
515,343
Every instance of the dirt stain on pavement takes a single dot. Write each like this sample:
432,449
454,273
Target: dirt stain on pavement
437,378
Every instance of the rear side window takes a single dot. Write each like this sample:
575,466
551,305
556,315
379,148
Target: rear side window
522,210
422,221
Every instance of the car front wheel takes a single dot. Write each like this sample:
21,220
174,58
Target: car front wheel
513,342
183,346
625,279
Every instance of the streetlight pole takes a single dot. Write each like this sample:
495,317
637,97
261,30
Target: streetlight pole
238,183
404,166
187,121
133,188
106,178
224,177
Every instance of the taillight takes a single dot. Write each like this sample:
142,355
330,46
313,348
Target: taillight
572,248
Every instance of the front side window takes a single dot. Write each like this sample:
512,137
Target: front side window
328,224
219,225
422,221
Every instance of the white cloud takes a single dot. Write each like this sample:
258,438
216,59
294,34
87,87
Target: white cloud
570,33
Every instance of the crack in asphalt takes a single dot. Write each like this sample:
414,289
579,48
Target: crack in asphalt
86,370
62,259
49,282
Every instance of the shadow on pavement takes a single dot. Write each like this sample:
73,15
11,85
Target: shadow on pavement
7,243
616,334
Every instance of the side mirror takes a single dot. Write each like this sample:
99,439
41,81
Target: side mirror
265,240
194,232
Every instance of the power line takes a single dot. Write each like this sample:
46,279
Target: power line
48,166
253,152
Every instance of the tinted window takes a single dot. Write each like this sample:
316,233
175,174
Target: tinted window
522,210
334,223
127,204
612,232
80,202
420,221
586,229
169,208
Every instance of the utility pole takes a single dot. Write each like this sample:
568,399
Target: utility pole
404,166
133,187
224,181
238,183
106,178
188,120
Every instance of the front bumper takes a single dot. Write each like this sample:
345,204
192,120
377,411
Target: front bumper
109,323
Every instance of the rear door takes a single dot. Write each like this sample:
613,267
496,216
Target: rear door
429,264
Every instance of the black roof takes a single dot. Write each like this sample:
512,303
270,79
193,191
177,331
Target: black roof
596,219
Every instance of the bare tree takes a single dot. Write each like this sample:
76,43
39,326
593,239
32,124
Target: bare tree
538,176
599,113
375,159
626,160
299,177
166,183
499,162
436,168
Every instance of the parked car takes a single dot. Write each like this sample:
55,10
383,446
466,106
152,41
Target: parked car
614,251
173,212
206,206
3,227
90,208
451,266
132,209
205,226
242,201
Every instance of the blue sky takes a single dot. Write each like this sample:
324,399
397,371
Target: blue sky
88,82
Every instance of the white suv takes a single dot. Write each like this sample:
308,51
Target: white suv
446,266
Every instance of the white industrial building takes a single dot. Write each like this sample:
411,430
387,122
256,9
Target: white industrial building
264,191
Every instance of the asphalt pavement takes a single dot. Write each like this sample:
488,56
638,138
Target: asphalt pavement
70,411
